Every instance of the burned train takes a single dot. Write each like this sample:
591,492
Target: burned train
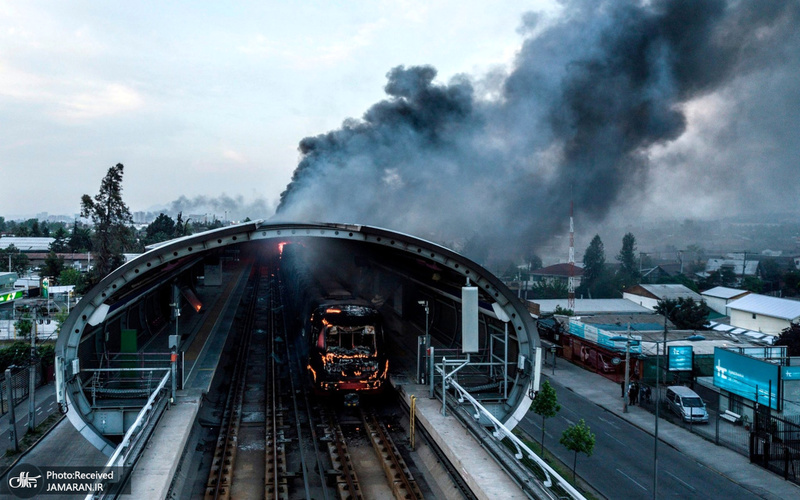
346,347
340,334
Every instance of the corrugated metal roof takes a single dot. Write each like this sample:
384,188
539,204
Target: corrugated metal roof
768,306
593,306
721,292
671,292
26,244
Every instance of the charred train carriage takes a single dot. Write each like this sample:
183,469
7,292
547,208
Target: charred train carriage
339,332
346,351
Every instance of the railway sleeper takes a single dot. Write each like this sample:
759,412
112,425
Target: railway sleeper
398,475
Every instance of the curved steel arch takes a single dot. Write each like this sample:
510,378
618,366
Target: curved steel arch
93,309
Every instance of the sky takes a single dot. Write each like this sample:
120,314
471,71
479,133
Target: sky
471,122
205,99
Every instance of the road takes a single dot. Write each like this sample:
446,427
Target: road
46,405
621,465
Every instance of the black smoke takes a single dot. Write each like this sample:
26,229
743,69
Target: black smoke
594,95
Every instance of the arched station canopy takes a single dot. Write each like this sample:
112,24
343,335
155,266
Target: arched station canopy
401,268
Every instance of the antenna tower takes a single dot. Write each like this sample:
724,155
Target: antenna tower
571,284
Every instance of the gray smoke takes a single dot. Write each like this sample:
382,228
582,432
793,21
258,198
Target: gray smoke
494,162
221,207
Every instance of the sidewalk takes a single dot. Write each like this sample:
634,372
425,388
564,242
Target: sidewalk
728,463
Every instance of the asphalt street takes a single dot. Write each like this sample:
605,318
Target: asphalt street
621,465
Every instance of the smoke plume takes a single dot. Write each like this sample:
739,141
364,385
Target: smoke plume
602,101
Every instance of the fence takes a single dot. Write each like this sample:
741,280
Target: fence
768,440
20,385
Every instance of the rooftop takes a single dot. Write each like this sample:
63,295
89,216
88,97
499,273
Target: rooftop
768,306
721,292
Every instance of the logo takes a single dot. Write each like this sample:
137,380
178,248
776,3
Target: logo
25,481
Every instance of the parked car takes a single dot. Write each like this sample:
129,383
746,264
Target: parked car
686,404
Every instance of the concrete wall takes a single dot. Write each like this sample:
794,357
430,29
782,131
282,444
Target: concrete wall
759,323
642,301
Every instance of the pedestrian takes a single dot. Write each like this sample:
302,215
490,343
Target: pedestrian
635,393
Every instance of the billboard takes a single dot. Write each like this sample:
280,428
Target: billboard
603,337
751,378
680,358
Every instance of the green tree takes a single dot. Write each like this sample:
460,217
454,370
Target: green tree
80,239
545,403
111,219
70,276
628,274
594,263
24,325
563,311
60,238
19,261
753,284
161,229
53,265
578,438
2,224
685,313
790,337
549,290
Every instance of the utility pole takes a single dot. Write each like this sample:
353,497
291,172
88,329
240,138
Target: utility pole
32,378
12,417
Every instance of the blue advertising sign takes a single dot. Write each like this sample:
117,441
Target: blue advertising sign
680,358
748,377
790,372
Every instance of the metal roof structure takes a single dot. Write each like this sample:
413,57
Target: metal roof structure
768,306
26,244
721,292
593,306
664,292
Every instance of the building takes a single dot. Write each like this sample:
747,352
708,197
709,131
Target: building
26,243
586,307
719,297
649,295
739,264
558,273
763,313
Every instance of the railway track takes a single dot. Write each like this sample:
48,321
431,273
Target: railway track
277,440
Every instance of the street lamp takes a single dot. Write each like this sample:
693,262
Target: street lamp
691,338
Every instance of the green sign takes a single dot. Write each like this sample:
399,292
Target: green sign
9,296
46,288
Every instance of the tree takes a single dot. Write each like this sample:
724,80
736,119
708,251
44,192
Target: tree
549,290
563,312
790,337
19,261
53,265
628,274
24,325
578,438
111,219
685,313
545,403
59,244
80,240
161,229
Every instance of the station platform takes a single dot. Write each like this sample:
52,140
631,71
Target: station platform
156,468
479,470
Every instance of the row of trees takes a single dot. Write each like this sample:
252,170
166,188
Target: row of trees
110,236
577,438
599,280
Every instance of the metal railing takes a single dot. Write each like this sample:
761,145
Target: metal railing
128,451
501,432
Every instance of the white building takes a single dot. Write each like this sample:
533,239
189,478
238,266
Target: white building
764,314
649,295
719,297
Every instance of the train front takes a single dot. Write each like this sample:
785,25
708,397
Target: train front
346,354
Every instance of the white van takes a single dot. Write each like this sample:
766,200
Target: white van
686,404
